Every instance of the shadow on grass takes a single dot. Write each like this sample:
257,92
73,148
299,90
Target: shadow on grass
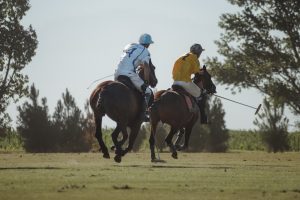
190,167
175,166
29,168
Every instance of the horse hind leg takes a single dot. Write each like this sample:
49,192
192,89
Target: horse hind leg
169,142
98,135
118,145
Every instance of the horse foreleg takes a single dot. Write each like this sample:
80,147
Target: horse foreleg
152,141
98,135
120,143
188,131
168,140
133,134
124,138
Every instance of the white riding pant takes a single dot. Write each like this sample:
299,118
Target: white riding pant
190,87
135,79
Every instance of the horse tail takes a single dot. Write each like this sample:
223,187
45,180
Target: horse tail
97,98
100,103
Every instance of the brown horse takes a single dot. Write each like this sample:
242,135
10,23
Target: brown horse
170,107
121,102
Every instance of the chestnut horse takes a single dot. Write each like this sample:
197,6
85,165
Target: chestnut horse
121,102
171,108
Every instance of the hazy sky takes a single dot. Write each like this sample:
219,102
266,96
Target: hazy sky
81,41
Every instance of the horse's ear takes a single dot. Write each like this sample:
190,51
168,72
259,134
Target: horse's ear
204,67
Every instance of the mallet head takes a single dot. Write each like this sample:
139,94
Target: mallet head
258,108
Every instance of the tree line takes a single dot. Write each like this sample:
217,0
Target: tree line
68,129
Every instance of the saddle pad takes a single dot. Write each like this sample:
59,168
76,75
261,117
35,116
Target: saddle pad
188,102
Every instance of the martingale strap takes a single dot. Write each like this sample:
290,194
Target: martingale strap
126,81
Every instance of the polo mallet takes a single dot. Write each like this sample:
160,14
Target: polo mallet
256,109
98,80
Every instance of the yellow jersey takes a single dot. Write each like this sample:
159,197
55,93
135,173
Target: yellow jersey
185,66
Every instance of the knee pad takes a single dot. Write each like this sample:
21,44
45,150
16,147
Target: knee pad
144,88
148,91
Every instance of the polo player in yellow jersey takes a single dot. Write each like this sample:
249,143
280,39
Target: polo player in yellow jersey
184,67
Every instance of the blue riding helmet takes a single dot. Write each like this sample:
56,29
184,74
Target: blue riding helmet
145,39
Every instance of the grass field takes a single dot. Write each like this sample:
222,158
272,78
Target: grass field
236,175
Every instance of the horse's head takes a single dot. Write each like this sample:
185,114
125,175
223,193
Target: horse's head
203,80
152,76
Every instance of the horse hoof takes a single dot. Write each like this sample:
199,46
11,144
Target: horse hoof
106,156
174,155
118,158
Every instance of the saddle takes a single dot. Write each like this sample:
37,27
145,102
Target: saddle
189,99
126,81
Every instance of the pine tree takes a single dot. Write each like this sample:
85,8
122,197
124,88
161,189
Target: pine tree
218,134
34,125
273,127
69,122
212,137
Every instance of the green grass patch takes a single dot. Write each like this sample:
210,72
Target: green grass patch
236,175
